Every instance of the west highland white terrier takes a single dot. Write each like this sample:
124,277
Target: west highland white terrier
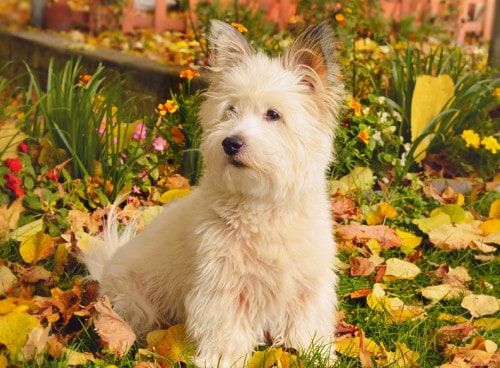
247,258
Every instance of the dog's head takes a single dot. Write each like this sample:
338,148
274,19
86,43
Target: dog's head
269,123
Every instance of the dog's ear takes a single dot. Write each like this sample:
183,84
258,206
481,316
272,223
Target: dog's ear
313,54
227,45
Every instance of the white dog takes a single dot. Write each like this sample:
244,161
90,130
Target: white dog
247,258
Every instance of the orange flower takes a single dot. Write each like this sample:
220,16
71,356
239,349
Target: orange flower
169,106
240,27
189,74
364,135
83,80
355,105
177,135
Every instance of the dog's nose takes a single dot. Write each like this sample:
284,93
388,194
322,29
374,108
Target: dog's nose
232,145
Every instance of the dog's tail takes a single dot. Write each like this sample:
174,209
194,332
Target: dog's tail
101,249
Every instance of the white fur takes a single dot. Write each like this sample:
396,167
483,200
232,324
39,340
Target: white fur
249,253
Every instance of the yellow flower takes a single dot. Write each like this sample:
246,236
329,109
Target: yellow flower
189,74
355,105
240,27
471,138
339,17
364,135
169,106
491,144
496,92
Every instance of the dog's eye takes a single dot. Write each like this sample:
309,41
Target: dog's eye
231,111
272,115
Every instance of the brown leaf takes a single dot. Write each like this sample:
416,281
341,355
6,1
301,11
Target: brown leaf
362,233
361,266
115,334
344,208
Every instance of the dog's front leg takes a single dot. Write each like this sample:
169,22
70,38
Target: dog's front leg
224,336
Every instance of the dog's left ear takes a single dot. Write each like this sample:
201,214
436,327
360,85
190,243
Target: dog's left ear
313,54
227,45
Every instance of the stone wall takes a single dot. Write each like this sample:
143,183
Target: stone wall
143,78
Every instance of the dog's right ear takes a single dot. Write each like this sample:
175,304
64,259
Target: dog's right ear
227,45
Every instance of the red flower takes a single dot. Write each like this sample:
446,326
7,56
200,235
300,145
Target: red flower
51,175
23,147
14,164
14,184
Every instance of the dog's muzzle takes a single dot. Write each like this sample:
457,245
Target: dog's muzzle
232,145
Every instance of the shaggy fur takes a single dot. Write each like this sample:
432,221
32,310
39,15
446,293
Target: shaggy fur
247,257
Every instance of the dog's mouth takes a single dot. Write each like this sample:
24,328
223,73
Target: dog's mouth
234,162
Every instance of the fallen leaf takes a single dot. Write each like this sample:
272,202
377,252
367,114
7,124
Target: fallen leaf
272,357
427,224
457,214
436,293
9,216
409,241
490,226
172,194
480,305
172,344
7,280
494,212
359,179
377,300
398,269
402,357
455,237
116,335
486,323
350,346
14,330
36,247
385,235
361,266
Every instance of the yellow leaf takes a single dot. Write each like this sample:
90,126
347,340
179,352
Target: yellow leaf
429,97
377,300
173,194
495,209
398,269
174,345
490,226
488,324
349,347
36,247
457,214
3,361
455,237
410,241
427,224
9,216
272,357
480,305
451,318
360,178
10,138
402,357
14,330
374,246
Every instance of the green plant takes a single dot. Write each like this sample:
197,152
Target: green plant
178,123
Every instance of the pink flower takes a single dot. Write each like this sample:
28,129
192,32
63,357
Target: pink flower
136,189
160,144
14,164
140,132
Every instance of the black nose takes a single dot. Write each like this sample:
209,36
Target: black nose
232,145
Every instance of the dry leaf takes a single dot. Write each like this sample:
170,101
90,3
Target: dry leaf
116,335
455,237
398,269
361,266
7,280
385,235
480,305
14,330
36,247
272,357
172,344
436,293
409,241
